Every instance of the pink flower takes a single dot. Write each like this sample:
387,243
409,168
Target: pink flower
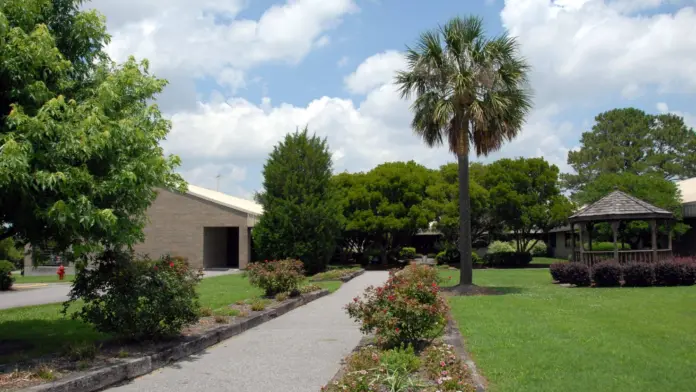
155,268
442,363
444,372
355,299
171,265
397,330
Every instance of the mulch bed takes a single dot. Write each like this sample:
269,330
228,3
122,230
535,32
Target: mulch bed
110,352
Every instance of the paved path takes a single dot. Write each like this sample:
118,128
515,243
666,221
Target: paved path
58,292
297,352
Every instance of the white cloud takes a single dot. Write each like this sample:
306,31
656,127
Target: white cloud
342,62
374,71
689,119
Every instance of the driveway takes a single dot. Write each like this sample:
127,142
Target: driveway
297,352
58,292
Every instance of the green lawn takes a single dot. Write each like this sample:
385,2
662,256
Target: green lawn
42,279
47,330
543,337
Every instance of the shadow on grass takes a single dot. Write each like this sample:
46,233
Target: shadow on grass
481,290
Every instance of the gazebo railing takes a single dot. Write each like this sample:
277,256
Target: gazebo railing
591,258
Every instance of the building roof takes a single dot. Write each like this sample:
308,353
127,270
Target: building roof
620,206
223,199
688,190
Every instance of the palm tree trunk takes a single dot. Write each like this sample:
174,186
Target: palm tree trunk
466,267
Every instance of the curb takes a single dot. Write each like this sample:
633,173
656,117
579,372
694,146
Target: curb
352,275
131,368
454,338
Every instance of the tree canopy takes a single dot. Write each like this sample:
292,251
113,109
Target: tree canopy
525,196
301,211
632,141
79,136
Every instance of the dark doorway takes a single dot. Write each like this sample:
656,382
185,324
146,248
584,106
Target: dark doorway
220,247
233,247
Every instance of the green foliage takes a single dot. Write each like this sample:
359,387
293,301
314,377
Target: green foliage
275,277
606,246
11,252
630,141
407,253
407,308
82,351
500,247
507,259
402,357
539,249
309,288
443,365
384,207
6,278
302,212
280,297
80,153
450,256
525,196
334,274
136,298
258,305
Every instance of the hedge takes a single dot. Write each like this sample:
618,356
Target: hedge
507,259
680,271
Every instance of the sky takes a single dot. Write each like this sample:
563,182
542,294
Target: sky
243,73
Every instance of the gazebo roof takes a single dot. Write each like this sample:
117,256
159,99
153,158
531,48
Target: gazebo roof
620,206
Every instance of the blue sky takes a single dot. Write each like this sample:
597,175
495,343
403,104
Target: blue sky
243,73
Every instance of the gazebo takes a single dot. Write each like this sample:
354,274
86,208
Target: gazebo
615,208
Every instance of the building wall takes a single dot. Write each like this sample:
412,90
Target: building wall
561,250
176,226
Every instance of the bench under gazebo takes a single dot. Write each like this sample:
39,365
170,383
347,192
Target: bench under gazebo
615,208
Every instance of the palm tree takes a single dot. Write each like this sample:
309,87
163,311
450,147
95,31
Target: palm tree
471,92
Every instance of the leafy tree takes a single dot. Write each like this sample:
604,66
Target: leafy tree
632,141
652,188
385,206
471,93
443,199
525,196
10,252
79,137
302,213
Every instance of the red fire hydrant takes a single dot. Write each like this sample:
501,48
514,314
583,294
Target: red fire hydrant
61,272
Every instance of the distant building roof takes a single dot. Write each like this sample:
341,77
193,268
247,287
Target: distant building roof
688,190
223,199
617,206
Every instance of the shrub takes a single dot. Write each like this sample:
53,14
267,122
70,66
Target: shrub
406,309
81,351
539,249
449,256
136,298
402,357
687,268
607,274
668,273
6,278
476,259
605,246
258,305
280,297
500,247
276,276
442,364
638,274
334,274
507,259
558,272
407,253
309,288
577,274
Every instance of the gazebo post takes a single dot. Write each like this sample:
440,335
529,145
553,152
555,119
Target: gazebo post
653,227
669,230
589,236
582,244
615,229
572,242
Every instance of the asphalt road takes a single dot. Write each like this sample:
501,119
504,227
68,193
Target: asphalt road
57,292
297,352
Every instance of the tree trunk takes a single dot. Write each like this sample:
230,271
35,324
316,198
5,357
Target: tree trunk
466,267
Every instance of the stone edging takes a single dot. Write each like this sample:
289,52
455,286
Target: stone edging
352,275
131,368
454,338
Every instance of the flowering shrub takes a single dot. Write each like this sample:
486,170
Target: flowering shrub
577,274
406,309
558,272
137,298
443,366
687,275
407,253
607,274
276,276
638,274
6,278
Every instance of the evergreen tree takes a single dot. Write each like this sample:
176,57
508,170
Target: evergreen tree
302,214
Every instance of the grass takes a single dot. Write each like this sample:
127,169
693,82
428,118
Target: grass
42,279
45,328
543,337
548,260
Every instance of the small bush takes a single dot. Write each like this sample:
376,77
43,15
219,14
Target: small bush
280,297
137,298
607,274
558,272
276,276
45,373
406,309
605,246
6,278
539,249
81,351
205,312
577,274
442,364
500,247
668,273
220,319
258,305
309,288
507,259
476,259
407,253
402,357
687,272
449,256
638,274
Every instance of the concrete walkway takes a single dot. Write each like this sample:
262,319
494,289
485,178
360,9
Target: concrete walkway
297,352
58,292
